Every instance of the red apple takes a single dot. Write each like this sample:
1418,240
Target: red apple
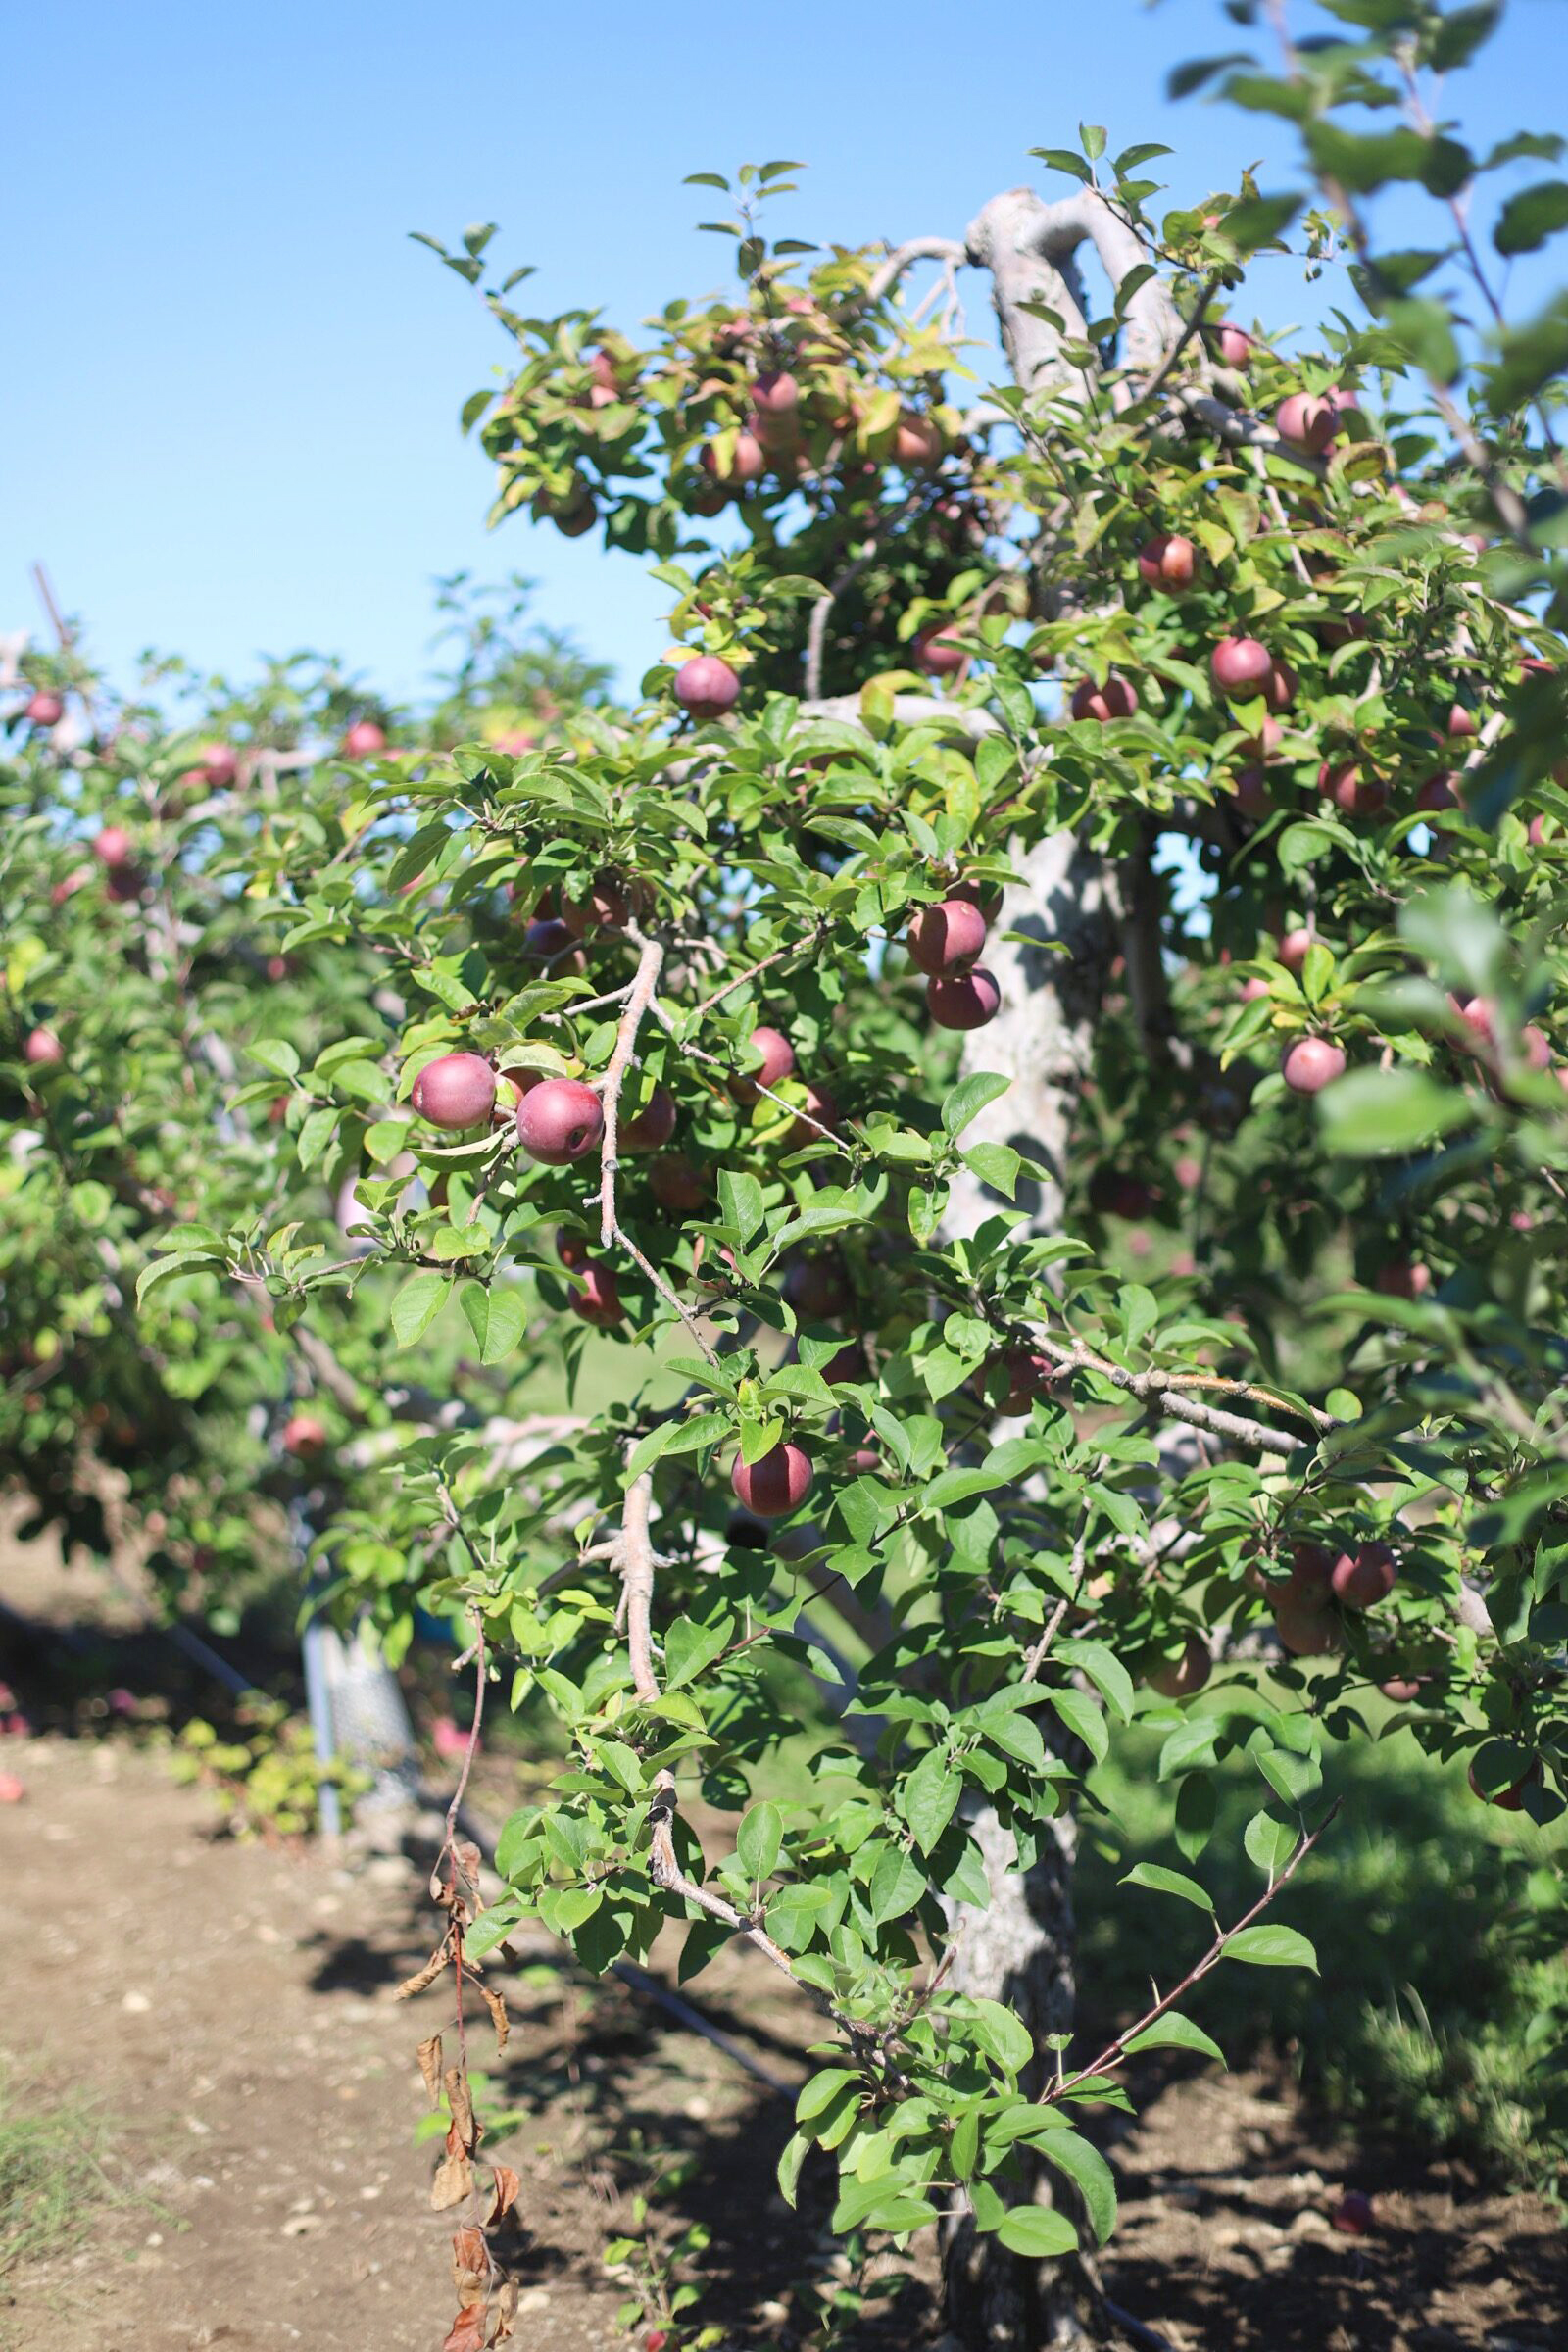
12,1790
1509,1799
604,908
573,1252
456,1090
947,937
1281,687
572,511
1461,723
1252,990
747,462
706,687
547,937
1403,1689
112,846
775,394
1403,1280
559,1121
365,740
1115,699
1292,947
44,709
1313,1063
1354,2214
596,1297
776,1484
1241,665
1305,422
677,1183
1356,795
1235,347
1168,561
1438,793
1363,1577
962,1000
816,1289
1306,1628
219,766
1180,1677
1311,1572
1249,789
822,1110
939,654
770,1060
43,1050
917,443
650,1128
303,1433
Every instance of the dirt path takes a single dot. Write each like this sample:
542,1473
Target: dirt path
231,2008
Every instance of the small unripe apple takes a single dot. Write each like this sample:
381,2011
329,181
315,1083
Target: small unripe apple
946,937
603,907
917,443
962,1000
816,1289
706,686
769,1062
112,846
1181,1677
1354,2214
1313,1063
1356,795
650,1128
1115,699
43,1050
365,740
596,1297
1306,422
559,1121
44,709
1235,347
939,654
1293,948
303,1433
677,1183
1241,665
1168,561
1365,1575
456,1090
775,1485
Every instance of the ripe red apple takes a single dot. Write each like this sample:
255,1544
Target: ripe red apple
1401,1279
939,654
219,766
78,878
917,443
603,907
1356,795
1365,1575
365,740
1311,1572
559,1121
44,709
650,1128
771,1060
1249,789
43,1050
816,1289
112,846
1292,950
947,937
1241,665
1306,422
1354,2214
1280,687
1537,832
1461,723
547,937
456,1090
596,1297
747,462
1235,347
303,1433
775,394
848,1365
573,1252
1509,1799
1180,1677
1403,1689
1252,990
706,686
677,1183
1168,561
1115,699
987,896
962,1000
822,1110
1306,1627
1438,793
12,1790
776,1484
1313,1063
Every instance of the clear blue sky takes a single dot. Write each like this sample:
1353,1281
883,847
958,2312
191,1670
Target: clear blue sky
232,384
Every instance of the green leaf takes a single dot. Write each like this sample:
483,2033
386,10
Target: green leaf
818,2095
758,1840
418,1304
897,1885
1167,1881
930,1798
1196,1805
1173,2031
996,1165
796,2149
1270,1841
1082,1716
1368,1113
970,1098
1270,1947
1062,159
1001,2031
1037,2231
1100,1662
275,1053
1529,218
497,1318
1088,2170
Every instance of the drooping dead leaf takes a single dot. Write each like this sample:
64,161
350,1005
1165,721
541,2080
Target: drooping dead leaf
462,2133
502,2312
454,1880
423,1978
498,2014
454,2180
505,2188
428,2054
467,2332
471,2266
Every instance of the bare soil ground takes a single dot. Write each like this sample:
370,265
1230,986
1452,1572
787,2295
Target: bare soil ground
230,2008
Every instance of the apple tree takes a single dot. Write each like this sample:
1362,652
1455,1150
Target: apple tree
1040,1033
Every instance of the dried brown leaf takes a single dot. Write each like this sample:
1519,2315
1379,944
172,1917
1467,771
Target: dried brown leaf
498,2014
428,2054
423,1978
468,2330
454,2181
471,2266
505,2188
462,2133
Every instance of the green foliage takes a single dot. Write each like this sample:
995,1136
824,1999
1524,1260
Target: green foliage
267,1778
